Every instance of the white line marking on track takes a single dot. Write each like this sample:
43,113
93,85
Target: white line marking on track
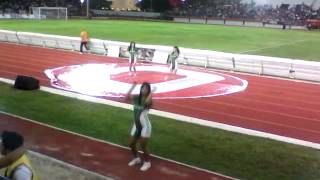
116,145
182,118
256,75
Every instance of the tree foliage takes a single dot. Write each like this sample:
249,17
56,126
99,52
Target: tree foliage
154,5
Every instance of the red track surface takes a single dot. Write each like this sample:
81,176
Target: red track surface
96,156
281,107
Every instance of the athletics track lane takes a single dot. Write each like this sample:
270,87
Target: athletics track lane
99,157
276,106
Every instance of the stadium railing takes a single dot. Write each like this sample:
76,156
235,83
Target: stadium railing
235,22
261,65
125,13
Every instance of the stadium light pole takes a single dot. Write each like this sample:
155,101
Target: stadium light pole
88,8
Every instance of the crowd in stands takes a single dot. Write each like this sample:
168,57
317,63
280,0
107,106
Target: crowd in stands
222,9
24,6
226,9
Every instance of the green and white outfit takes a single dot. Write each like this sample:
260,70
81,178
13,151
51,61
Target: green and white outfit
173,60
132,55
141,126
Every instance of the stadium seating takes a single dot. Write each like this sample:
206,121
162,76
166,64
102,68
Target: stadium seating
234,9
24,6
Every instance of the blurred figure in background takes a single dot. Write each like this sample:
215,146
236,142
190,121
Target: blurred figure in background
84,40
132,56
172,59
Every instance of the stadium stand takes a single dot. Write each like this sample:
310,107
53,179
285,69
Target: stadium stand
15,9
234,9
289,14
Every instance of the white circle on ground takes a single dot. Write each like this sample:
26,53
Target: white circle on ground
114,80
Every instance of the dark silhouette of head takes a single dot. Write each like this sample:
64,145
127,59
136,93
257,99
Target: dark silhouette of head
176,49
10,141
145,89
132,44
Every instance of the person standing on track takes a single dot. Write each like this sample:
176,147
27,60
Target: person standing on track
84,40
132,56
141,129
172,59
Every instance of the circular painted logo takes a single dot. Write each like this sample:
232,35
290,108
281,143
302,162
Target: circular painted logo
114,80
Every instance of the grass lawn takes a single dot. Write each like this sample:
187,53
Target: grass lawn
295,44
228,153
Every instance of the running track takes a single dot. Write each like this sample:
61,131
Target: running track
281,107
95,156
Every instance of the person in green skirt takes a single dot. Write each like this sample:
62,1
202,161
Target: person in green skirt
172,59
141,129
132,56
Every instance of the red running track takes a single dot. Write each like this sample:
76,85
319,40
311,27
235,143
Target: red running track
99,157
281,107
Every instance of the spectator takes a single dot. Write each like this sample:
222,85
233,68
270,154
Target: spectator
18,167
84,40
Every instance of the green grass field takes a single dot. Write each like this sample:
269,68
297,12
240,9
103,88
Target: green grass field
232,154
228,153
271,42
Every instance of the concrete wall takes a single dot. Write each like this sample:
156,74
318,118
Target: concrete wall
263,65
48,168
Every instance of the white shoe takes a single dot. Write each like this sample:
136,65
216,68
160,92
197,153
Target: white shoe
146,165
134,161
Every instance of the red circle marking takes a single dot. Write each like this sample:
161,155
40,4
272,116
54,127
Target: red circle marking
114,80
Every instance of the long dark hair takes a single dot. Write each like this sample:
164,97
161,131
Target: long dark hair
176,47
132,45
145,84
11,140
